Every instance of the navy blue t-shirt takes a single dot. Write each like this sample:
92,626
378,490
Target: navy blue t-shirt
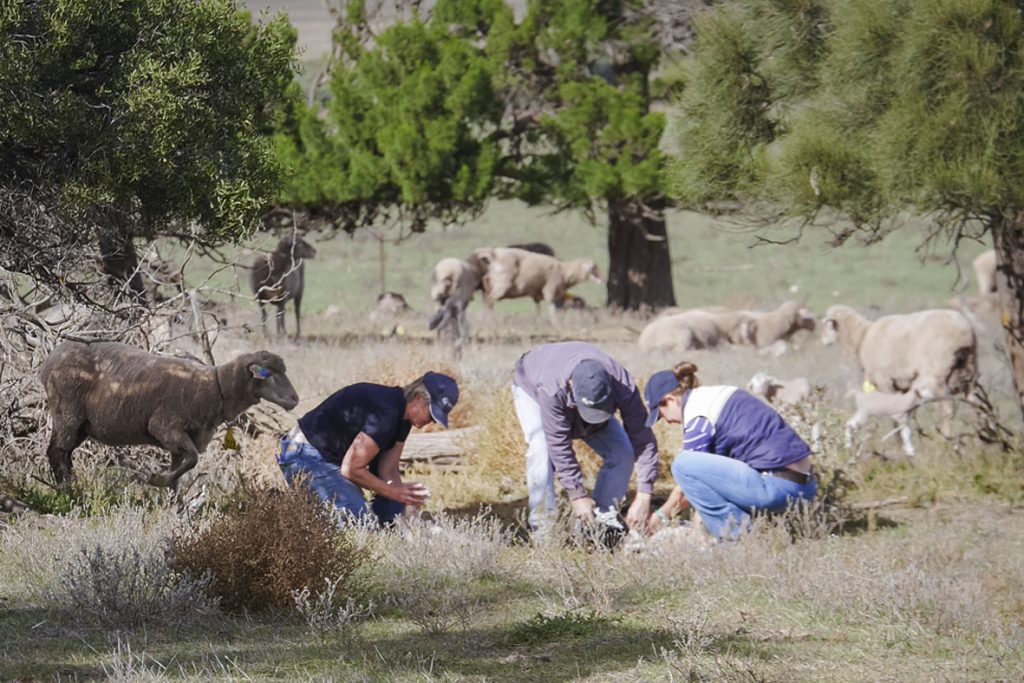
377,410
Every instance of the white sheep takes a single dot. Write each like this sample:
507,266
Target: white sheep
777,391
932,351
513,273
452,285
985,272
883,404
685,331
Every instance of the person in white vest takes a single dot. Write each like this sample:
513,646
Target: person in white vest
737,454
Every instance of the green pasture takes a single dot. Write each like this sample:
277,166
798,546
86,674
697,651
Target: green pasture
715,261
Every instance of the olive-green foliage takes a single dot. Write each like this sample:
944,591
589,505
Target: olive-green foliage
437,115
160,109
905,103
272,544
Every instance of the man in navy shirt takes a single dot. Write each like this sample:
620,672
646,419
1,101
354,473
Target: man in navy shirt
354,440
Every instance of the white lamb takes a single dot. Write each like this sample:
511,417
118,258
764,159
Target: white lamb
884,404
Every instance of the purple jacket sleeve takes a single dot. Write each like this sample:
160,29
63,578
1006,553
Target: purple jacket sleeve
634,416
558,435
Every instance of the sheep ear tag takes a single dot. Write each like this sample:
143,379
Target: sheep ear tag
259,372
229,440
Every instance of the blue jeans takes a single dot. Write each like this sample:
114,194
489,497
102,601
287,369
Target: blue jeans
611,443
325,479
725,491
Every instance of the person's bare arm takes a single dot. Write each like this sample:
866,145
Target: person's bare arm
356,467
675,504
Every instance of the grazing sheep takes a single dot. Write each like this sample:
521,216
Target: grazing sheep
683,332
514,273
883,404
782,323
535,247
985,272
778,391
452,285
121,395
279,277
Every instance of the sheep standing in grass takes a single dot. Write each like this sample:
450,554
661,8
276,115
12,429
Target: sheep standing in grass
514,273
884,404
280,277
933,353
985,272
452,285
121,395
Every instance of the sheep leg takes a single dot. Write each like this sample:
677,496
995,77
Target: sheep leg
280,319
184,455
263,317
298,317
63,441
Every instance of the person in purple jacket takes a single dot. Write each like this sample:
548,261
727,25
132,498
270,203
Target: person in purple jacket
738,454
571,390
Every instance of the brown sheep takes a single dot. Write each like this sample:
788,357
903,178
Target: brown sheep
514,273
279,277
452,285
121,395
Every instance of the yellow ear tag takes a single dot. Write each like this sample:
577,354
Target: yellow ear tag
868,387
229,440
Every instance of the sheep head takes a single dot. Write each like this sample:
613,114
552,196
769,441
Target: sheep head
269,380
296,247
593,271
806,320
831,322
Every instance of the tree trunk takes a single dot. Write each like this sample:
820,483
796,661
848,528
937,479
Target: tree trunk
639,267
1009,243
120,262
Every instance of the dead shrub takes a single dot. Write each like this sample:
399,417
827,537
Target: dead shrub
269,546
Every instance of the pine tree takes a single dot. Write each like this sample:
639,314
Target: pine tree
878,107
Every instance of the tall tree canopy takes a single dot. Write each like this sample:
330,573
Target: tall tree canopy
870,108
132,118
432,116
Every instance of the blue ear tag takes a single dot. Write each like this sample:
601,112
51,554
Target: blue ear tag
262,372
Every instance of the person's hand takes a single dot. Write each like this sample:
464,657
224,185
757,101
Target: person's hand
654,524
414,495
583,508
636,516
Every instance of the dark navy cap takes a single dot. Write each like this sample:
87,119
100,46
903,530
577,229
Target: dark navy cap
592,389
444,394
660,385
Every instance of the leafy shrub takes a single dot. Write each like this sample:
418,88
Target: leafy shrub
540,629
273,544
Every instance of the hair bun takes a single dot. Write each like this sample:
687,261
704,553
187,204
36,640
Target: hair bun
686,373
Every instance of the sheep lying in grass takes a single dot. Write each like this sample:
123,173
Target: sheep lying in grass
280,277
884,404
696,329
120,395
777,391
514,273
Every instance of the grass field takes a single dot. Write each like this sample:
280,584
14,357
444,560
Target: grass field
928,589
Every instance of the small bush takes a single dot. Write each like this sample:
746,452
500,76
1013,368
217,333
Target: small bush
263,550
327,615
540,629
